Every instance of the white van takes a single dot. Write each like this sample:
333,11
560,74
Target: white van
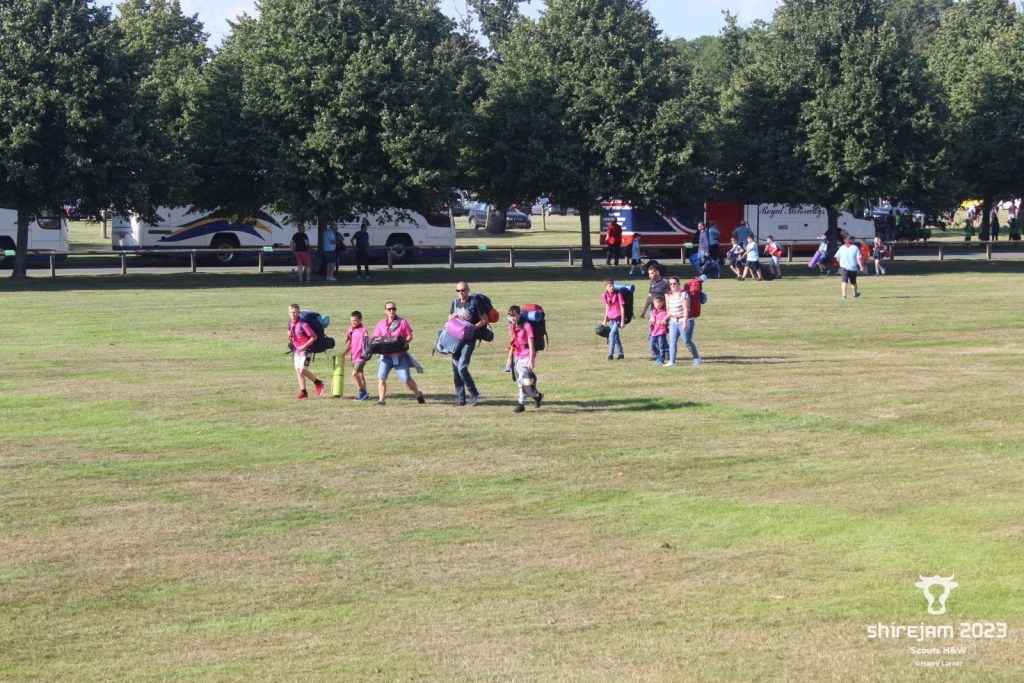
402,232
49,233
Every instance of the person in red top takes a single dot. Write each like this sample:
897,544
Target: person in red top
301,337
614,305
523,353
613,238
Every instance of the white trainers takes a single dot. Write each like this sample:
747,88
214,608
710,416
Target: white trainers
669,364
697,361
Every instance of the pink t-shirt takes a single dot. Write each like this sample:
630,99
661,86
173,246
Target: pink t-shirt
659,322
356,335
613,304
404,329
521,337
300,333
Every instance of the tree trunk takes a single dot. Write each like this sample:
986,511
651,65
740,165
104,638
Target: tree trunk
832,233
19,272
587,262
986,210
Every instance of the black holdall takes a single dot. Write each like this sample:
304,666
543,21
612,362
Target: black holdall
602,331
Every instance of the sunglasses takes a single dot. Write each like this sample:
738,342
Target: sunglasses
460,291
391,309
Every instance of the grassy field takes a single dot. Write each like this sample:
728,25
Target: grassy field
170,512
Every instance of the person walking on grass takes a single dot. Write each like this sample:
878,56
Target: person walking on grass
330,251
850,263
393,326
300,250
878,252
522,352
751,263
774,252
634,255
463,307
354,339
658,287
614,305
302,337
658,324
680,323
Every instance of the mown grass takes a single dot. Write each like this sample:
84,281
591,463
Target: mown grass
169,511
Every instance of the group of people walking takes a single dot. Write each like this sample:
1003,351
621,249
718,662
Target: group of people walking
521,359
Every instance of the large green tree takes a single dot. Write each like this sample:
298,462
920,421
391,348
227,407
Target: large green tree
834,108
337,108
587,102
165,52
978,57
65,111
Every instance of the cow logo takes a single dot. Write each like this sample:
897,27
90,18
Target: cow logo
926,584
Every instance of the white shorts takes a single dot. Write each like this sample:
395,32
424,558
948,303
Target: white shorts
302,360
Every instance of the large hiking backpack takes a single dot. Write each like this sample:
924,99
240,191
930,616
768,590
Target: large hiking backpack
534,314
483,307
317,323
695,288
626,290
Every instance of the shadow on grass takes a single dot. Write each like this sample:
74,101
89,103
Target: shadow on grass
750,360
621,405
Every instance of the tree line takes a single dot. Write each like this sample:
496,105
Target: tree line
327,109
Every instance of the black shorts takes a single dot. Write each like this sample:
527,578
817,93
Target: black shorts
848,275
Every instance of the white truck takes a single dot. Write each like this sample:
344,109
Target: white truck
47,233
798,224
404,233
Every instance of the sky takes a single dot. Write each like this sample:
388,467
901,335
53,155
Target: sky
676,18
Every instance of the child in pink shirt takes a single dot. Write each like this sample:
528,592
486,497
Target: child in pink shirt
354,342
521,350
614,304
659,328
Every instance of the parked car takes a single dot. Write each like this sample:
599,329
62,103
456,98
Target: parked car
515,218
555,210
883,211
539,206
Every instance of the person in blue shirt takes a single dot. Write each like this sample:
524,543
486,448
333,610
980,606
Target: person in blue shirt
850,263
330,251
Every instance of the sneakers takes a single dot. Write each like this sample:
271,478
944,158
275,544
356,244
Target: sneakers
537,400
621,356
857,295
610,357
697,361
459,403
303,394
473,398
362,395
669,364
319,384
380,403
844,296
658,361
420,398
519,408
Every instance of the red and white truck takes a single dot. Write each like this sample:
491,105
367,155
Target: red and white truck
798,224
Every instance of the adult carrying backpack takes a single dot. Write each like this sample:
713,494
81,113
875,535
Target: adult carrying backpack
626,290
534,314
317,323
695,288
